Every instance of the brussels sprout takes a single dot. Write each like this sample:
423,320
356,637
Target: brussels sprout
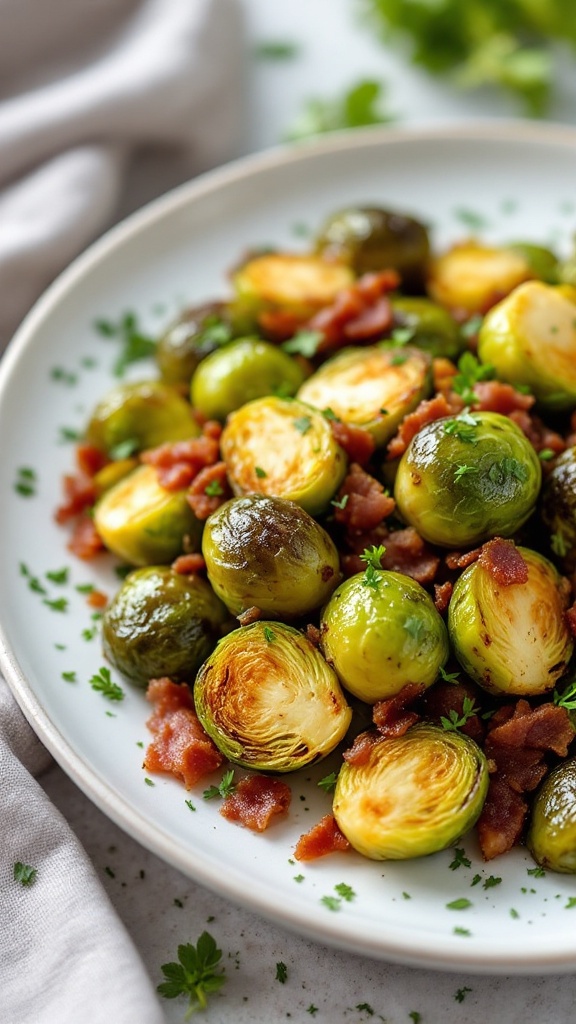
241,371
138,416
269,553
380,630
511,639
558,508
196,333
467,478
285,448
414,795
288,281
530,338
472,277
429,326
269,700
551,835
161,623
143,523
372,387
369,238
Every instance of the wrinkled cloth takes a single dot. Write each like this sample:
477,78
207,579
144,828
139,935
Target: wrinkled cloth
103,104
91,90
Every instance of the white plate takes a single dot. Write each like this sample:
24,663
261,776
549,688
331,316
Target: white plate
513,180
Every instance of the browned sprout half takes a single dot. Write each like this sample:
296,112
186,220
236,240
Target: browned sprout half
412,795
471,277
551,835
269,700
295,283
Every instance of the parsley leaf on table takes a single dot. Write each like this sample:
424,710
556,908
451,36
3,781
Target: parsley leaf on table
195,975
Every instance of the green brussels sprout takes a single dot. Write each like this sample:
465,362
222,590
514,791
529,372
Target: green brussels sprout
369,238
161,623
269,700
380,630
269,553
467,478
372,387
542,261
512,639
470,277
413,795
530,338
283,447
551,836
558,508
132,417
196,333
300,284
241,371
143,523
429,326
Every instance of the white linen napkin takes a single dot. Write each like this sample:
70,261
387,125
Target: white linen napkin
86,87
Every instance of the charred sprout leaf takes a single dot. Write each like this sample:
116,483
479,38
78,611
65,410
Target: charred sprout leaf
223,789
456,721
363,104
196,975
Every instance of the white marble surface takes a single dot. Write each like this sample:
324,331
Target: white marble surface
160,907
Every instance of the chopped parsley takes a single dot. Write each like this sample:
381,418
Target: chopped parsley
345,891
566,699
57,604
328,783
461,993
460,860
25,874
372,556
470,373
281,972
124,449
460,904
491,882
135,345
448,677
59,576
303,424
537,872
304,343
276,49
340,503
224,789
102,683
464,470
68,434
214,489
195,975
190,805
463,427
69,677
26,481
269,635
363,104
260,473
455,721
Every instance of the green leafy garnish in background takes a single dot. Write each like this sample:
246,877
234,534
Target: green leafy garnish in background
361,105
507,44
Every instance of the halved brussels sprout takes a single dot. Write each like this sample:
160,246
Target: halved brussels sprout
301,284
241,371
268,552
269,700
143,523
471,277
558,508
551,835
194,334
370,238
372,387
512,639
161,623
380,630
467,478
429,326
414,795
285,448
140,415
530,338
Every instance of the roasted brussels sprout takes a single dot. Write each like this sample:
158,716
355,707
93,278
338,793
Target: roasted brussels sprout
551,835
429,326
241,371
289,281
372,387
512,639
269,700
380,630
413,795
370,238
471,277
138,416
196,333
285,448
467,478
269,553
558,508
530,338
161,623
143,523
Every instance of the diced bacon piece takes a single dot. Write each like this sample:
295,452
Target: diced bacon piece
256,801
442,595
85,541
366,505
322,839
502,560
357,442
90,460
189,565
428,411
392,717
80,493
495,396
501,823
180,745
96,599
200,500
359,752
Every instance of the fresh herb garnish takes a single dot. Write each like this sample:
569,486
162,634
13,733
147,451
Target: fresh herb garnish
59,576
214,489
448,677
303,424
276,49
558,544
224,789
328,782
57,604
463,427
373,558
470,373
304,343
260,473
460,860
567,698
269,635
25,874
341,502
102,683
464,470
456,721
135,345
460,904
281,972
195,975
363,104
124,449
25,483
461,993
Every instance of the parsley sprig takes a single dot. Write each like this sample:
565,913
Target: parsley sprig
373,558
134,344
195,976
471,372
566,698
102,682
456,721
225,788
